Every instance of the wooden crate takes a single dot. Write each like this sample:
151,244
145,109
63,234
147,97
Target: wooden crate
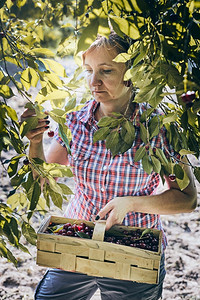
95,257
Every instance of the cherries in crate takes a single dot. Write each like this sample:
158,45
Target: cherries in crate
144,239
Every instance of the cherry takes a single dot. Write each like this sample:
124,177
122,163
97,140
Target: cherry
2,34
83,224
26,162
87,228
51,133
65,226
188,97
69,233
172,177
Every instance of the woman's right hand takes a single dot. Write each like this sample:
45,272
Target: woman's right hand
35,135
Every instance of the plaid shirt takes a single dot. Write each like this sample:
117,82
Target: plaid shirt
99,177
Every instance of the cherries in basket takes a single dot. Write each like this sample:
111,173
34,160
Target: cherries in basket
143,239
136,238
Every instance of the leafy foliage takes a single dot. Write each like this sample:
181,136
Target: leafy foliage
164,55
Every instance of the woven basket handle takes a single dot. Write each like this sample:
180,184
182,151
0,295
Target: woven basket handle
99,230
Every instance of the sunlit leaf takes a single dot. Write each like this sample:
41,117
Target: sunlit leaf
29,233
5,91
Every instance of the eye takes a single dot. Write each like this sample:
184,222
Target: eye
107,71
88,71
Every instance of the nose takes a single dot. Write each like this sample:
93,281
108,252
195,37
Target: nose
95,79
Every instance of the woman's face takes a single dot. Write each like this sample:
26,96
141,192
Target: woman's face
106,77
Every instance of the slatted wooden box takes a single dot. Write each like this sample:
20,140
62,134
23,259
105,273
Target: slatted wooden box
95,257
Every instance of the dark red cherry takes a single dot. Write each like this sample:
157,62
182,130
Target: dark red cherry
172,177
2,34
188,97
26,162
51,133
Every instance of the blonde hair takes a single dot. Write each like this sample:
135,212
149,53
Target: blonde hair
113,42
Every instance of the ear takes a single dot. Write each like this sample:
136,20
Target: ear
127,83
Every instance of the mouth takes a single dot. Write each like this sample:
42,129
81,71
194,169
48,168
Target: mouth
98,92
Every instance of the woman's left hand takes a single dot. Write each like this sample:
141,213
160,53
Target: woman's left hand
117,209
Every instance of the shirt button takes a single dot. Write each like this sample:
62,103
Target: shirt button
102,189
105,168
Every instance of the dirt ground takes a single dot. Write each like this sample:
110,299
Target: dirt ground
182,254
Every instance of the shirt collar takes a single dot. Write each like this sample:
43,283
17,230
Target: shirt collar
88,115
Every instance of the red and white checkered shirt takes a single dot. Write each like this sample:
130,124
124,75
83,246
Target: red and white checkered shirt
99,177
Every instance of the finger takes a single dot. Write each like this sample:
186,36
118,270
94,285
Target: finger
35,132
28,113
106,209
112,220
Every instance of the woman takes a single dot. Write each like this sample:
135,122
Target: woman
116,187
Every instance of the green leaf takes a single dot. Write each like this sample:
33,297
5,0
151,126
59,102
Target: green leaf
122,57
14,227
20,3
5,252
66,190
160,154
156,164
57,95
17,200
15,140
146,163
29,233
82,235
148,230
139,153
197,173
109,122
171,117
34,77
101,134
55,197
8,233
183,183
28,125
154,127
196,106
143,133
26,78
129,137
53,185
88,35
12,167
178,171
64,138
33,196
11,113
46,194
5,91
41,66
56,67
123,26
113,142
43,51
183,152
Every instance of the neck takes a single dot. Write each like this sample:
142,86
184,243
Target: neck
107,109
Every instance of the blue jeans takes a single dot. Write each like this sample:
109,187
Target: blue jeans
61,285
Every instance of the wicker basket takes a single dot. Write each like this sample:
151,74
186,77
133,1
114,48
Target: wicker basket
96,257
